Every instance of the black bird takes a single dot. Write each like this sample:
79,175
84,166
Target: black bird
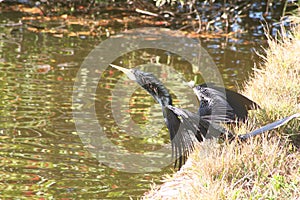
186,128
182,138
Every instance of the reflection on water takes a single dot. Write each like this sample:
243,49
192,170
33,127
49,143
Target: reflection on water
41,153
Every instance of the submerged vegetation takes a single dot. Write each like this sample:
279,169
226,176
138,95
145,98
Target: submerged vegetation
266,167
198,18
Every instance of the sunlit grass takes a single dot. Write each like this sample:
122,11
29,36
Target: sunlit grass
262,168
266,167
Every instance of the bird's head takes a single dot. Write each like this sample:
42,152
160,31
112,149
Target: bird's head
130,73
149,82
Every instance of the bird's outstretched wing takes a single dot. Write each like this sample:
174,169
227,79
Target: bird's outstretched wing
186,128
181,139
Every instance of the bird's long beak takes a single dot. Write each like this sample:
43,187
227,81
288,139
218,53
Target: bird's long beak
129,72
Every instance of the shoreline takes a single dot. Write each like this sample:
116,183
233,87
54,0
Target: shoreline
264,167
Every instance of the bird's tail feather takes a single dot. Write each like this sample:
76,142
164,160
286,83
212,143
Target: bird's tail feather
269,127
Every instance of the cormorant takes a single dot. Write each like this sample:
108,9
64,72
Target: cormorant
213,109
186,128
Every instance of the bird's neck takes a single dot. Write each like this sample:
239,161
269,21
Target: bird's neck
162,96
159,92
164,100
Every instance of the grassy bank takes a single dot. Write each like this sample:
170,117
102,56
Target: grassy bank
268,166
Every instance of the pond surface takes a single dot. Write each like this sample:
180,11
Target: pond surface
42,155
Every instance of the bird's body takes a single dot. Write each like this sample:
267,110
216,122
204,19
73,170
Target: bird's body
185,127
216,100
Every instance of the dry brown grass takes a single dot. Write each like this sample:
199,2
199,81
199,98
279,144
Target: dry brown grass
277,85
266,167
260,169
